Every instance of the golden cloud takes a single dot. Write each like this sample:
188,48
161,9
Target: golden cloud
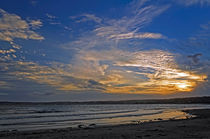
113,71
12,26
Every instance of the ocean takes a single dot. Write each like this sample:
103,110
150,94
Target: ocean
48,116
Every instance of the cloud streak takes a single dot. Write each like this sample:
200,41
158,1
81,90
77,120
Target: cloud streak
35,24
109,32
193,2
86,18
137,36
129,26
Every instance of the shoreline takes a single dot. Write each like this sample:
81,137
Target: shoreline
195,127
185,100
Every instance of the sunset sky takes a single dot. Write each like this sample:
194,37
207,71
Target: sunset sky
81,50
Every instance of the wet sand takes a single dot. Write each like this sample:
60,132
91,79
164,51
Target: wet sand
193,128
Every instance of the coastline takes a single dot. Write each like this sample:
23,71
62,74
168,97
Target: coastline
193,128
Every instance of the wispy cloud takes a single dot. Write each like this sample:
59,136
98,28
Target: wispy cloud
193,2
128,26
35,24
86,17
137,36
33,2
51,16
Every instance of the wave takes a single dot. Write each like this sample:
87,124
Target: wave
81,119
65,115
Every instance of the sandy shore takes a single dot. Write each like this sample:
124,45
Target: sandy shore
194,128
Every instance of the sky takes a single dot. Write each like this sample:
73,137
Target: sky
103,49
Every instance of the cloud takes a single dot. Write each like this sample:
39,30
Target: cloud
51,16
132,35
54,20
128,26
54,76
105,58
110,71
105,55
7,51
193,2
3,94
12,27
33,2
35,24
86,17
205,27
137,72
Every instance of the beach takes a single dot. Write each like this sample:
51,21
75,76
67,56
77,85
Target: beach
190,128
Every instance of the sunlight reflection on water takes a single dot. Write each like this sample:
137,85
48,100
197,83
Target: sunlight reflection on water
32,117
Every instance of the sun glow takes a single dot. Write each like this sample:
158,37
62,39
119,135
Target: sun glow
184,86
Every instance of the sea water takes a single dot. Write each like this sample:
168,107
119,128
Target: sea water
49,116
